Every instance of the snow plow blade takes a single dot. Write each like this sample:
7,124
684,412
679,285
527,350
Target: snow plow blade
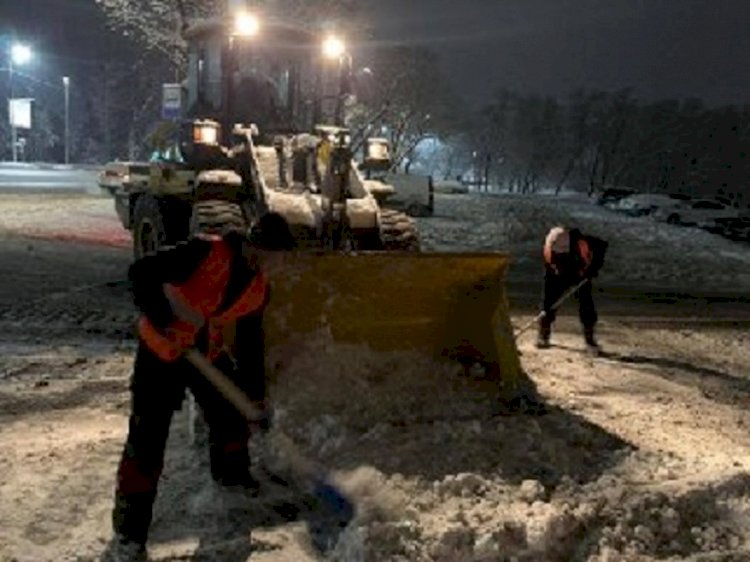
399,338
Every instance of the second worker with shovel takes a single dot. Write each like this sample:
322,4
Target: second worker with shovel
571,259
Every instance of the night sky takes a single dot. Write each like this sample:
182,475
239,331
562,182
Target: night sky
660,48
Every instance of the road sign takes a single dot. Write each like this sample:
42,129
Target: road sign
19,112
171,107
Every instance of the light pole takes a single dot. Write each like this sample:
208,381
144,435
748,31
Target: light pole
66,84
19,55
334,48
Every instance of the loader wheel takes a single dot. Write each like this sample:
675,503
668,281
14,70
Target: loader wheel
157,222
398,231
223,214
149,232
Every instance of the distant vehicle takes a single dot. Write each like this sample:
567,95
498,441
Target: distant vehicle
702,213
612,195
120,179
414,194
113,175
643,204
451,187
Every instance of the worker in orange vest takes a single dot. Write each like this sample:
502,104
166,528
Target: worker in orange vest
570,257
208,293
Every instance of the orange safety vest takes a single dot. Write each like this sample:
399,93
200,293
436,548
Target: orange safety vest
200,298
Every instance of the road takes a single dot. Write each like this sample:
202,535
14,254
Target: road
644,453
16,178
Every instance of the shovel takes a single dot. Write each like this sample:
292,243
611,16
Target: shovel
331,511
566,295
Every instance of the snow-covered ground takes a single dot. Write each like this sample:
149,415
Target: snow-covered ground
644,454
643,253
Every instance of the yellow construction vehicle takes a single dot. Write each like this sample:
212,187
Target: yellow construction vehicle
361,325
255,132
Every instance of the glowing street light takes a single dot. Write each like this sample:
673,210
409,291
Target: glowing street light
333,47
246,24
20,54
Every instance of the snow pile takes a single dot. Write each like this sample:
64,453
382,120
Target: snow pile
466,527
320,383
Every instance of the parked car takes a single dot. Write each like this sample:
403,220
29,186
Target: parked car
451,187
612,195
414,194
702,213
733,228
644,204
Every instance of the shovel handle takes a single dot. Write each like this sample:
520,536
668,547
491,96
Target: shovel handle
303,467
566,295
226,387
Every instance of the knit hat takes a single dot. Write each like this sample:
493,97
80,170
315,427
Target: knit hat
558,240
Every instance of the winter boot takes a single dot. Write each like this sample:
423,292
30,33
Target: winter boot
545,330
122,549
592,347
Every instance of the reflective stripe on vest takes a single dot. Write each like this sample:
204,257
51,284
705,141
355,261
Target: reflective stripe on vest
199,299
251,301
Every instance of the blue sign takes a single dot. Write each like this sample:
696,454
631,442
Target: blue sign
171,106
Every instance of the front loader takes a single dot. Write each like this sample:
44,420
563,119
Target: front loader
361,326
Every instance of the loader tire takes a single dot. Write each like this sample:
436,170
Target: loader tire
221,214
158,222
398,231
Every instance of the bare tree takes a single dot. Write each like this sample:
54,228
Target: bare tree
408,101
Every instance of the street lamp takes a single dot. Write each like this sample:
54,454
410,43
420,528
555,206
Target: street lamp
334,47
66,84
19,55
246,24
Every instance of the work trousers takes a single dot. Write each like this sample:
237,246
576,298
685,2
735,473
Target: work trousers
157,390
555,286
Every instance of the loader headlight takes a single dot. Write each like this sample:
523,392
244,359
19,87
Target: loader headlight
343,140
206,132
333,47
246,24
378,150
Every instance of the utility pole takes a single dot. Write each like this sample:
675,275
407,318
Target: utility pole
66,83
19,54
11,106
107,132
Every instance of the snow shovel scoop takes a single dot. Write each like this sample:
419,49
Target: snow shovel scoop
330,509
566,295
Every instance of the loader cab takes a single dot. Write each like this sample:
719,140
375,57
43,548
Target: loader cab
270,77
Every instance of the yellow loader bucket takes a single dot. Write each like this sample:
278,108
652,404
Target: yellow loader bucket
390,337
